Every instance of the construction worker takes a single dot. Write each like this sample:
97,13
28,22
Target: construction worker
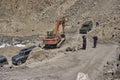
97,24
84,42
95,38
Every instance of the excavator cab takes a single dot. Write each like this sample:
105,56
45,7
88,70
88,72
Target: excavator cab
50,34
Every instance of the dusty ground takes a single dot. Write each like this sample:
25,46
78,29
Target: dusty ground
65,65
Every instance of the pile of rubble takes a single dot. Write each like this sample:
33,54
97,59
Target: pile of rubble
74,48
111,70
82,76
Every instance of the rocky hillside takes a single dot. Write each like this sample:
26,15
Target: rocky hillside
20,16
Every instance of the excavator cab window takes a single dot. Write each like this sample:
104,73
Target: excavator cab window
50,34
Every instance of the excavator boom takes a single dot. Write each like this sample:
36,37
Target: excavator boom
61,22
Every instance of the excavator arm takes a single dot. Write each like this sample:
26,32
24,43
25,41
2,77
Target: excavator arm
61,22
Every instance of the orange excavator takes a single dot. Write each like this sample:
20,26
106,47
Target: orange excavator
54,38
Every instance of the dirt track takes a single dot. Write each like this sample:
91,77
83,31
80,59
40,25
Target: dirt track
66,66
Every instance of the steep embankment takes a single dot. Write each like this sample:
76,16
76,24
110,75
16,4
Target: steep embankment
36,16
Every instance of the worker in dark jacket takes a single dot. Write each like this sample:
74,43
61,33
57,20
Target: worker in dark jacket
84,42
95,38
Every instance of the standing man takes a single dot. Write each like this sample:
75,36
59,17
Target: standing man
84,42
95,38
97,24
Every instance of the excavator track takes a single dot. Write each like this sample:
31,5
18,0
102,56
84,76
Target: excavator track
60,43
50,46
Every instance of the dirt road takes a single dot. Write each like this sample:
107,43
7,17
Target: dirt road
65,66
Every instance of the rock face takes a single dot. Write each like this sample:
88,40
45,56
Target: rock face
19,15
35,10
109,29
27,10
